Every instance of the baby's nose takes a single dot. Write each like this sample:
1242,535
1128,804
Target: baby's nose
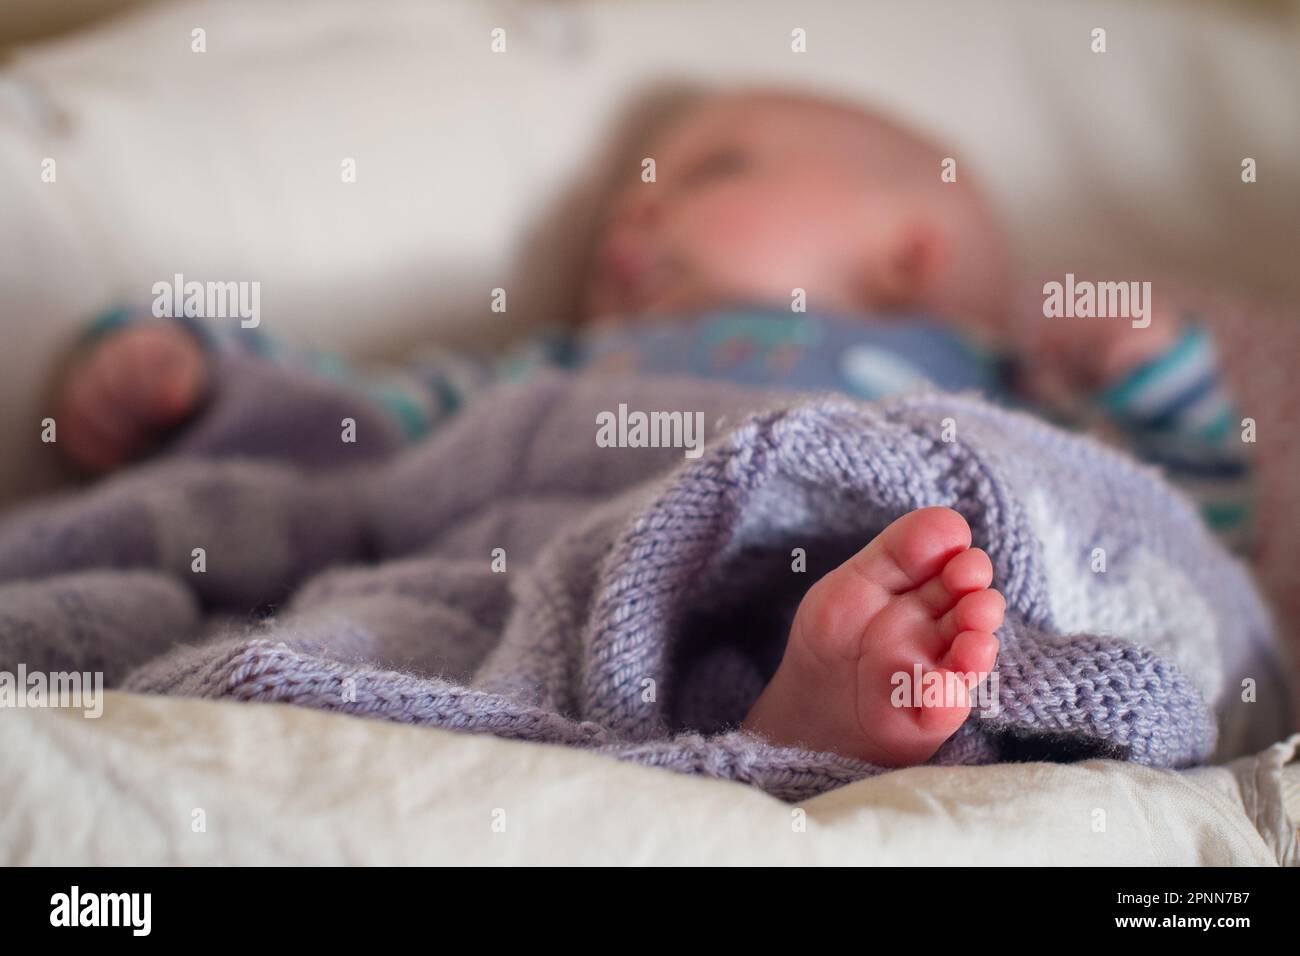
625,256
637,211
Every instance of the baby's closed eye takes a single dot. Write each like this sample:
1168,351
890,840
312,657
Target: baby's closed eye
716,165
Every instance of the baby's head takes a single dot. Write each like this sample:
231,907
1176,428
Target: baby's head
759,193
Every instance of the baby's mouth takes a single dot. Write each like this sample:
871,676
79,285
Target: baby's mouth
637,274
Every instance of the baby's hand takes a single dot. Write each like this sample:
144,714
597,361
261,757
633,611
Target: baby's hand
133,387
1082,356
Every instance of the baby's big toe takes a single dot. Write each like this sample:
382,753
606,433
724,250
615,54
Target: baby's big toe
913,550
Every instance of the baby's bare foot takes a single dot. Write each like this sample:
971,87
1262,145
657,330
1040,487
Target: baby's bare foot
918,594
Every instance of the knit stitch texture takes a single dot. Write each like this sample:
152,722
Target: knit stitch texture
645,597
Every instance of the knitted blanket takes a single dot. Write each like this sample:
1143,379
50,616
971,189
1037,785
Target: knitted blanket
512,576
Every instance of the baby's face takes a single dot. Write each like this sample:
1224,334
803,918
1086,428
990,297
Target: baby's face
755,196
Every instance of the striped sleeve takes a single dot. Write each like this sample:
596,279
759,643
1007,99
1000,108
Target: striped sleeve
1176,413
416,397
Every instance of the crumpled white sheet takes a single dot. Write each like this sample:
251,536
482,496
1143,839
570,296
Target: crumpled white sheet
174,781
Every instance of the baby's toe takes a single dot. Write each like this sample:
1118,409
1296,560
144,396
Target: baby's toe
971,570
937,723
977,611
912,550
971,652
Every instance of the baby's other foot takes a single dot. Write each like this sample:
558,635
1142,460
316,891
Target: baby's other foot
917,594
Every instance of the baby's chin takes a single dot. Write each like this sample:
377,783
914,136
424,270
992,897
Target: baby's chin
600,304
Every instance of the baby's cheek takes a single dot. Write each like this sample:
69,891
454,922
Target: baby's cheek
761,243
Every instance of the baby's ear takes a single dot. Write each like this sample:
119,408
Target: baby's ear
917,256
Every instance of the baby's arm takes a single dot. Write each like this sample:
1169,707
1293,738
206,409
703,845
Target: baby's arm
140,381
1175,410
1159,391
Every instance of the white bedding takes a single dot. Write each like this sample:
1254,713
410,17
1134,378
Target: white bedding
283,785
228,161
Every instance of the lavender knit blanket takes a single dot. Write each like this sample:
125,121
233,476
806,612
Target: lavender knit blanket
510,576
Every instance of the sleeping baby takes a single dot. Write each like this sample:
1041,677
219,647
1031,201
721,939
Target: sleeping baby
795,242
